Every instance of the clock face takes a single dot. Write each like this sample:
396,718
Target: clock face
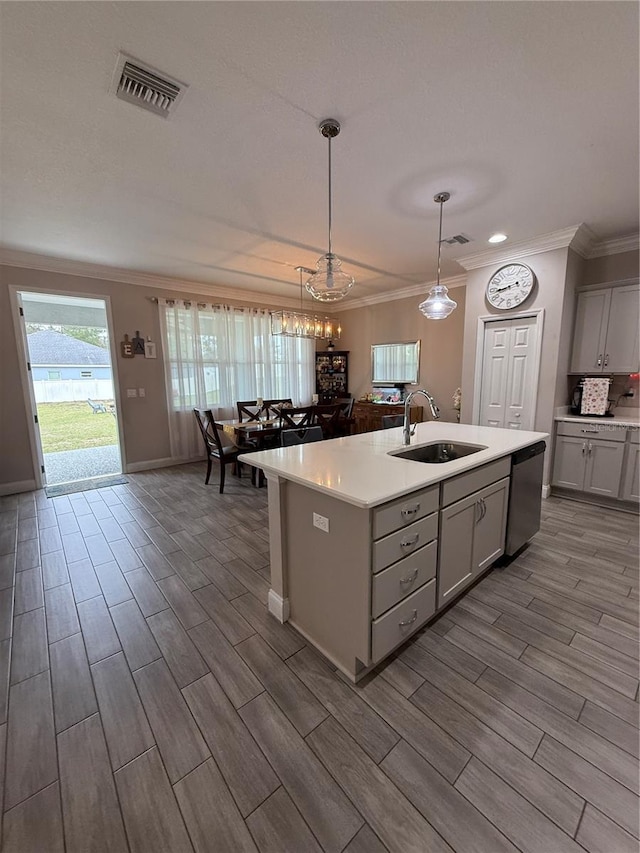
510,286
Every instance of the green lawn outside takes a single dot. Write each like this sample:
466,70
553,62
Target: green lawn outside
73,426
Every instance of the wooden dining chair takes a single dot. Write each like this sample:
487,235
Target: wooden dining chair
328,417
274,407
226,454
249,410
290,437
298,417
390,421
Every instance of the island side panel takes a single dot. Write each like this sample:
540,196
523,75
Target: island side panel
329,575
278,600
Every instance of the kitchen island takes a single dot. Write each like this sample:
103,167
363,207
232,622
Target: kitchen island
366,546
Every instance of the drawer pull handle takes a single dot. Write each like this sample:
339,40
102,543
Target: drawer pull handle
405,622
407,512
410,578
409,543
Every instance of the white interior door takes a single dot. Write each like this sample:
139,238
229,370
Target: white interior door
508,372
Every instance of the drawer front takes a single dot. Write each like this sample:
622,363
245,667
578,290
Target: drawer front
403,578
404,542
606,431
399,513
459,487
401,621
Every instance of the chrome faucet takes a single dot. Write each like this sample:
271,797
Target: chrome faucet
407,432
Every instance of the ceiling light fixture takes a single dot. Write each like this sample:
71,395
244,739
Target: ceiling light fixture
497,238
438,304
329,283
298,324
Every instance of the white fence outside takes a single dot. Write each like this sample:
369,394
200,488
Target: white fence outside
70,390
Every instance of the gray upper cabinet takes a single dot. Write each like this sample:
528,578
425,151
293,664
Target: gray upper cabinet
606,338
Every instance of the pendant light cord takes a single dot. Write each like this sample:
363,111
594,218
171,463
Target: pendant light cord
439,243
329,194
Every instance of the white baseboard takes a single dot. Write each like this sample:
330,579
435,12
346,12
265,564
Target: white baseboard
546,491
278,606
149,464
15,488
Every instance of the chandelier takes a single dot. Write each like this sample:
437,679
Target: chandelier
329,283
299,324
438,304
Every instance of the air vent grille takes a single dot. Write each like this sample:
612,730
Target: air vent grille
139,84
457,238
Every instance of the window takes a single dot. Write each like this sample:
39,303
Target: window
54,374
86,374
217,355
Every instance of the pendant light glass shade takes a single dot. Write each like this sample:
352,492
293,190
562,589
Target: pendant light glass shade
438,303
300,324
329,283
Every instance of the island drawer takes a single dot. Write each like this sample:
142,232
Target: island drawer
404,542
610,432
465,484
403,511
401,621
403,578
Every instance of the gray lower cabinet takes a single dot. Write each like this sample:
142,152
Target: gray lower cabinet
631,479
589,458
472,537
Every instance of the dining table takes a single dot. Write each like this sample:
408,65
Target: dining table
241,432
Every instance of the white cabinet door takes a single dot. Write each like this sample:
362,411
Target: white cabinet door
631,474
621,348
569,462
508,369
589,338
604,467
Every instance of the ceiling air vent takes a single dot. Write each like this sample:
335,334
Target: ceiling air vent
146,86
457,238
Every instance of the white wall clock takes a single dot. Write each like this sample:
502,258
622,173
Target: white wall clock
510,286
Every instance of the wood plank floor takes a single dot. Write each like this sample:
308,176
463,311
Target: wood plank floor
148,701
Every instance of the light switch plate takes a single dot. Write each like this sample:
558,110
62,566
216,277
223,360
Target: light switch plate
141,392
132,392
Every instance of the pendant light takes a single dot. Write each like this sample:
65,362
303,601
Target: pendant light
438,304
299,324
329,283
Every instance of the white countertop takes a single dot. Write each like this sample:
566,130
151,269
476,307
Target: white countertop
621,417
359,470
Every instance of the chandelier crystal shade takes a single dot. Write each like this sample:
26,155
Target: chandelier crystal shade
438,304
329,283
299,324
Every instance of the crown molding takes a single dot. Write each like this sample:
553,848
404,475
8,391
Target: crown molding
420,290
616,246
85,269
545,243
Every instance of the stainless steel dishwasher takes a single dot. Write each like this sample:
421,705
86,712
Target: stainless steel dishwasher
525,497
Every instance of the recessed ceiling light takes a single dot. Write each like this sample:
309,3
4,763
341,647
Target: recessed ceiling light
498,238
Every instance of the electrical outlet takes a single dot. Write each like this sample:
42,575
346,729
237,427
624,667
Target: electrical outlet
321,522
141,392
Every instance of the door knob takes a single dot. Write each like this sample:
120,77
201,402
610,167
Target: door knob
516,415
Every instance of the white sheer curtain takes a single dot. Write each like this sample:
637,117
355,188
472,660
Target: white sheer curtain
215,355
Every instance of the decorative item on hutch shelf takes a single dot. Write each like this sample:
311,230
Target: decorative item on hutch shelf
438,304
329,283
299,324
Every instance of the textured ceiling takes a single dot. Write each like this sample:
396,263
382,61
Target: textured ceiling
526,112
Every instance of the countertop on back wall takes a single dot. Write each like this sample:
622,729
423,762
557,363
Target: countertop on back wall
622,416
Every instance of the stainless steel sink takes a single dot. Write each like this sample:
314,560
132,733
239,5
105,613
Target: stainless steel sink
438,452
